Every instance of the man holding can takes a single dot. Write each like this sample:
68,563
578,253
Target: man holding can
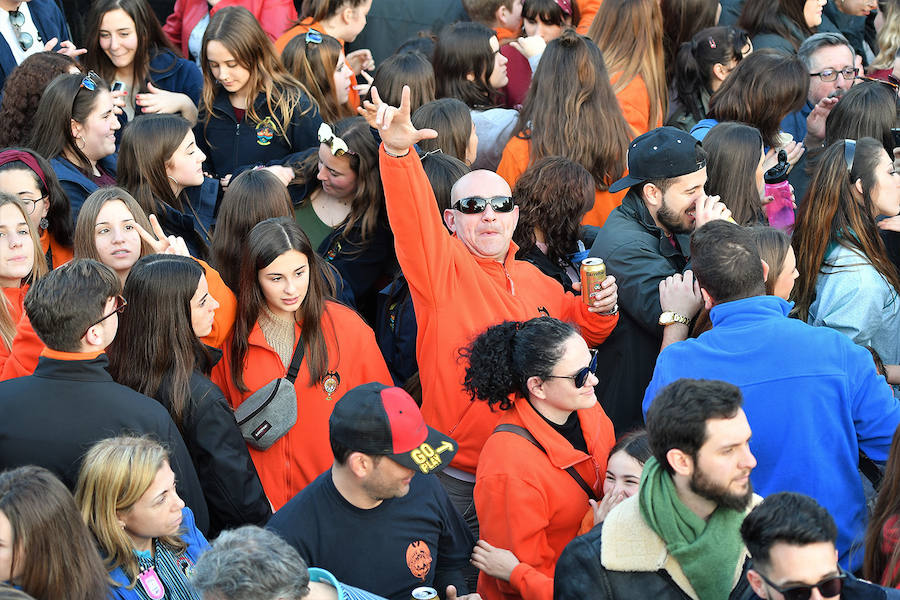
464,283
645,244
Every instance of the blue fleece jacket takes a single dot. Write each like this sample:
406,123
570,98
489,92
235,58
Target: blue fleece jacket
812,397
75,183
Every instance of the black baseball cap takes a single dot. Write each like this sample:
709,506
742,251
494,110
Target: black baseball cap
661,153
380,420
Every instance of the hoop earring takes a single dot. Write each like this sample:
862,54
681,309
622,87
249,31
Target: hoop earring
175,181
84,143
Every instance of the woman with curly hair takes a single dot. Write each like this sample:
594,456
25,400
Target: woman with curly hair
541,375
23,90
553,196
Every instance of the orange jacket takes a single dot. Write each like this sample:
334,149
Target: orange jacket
60,255
302,28
305,452
516,158
225,314
456,297
527,503
22,358
587,8
635,102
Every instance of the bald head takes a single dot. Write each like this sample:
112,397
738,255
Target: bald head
479,183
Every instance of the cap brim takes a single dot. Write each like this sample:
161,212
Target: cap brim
430,456
625,182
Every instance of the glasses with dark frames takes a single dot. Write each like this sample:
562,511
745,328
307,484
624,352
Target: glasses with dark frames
849,74
828,587
474,205
580,378
121,303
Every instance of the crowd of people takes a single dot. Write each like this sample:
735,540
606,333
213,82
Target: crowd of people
295,305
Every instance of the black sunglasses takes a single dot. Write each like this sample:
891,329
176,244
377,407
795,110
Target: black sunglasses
580,378
478,204
828,587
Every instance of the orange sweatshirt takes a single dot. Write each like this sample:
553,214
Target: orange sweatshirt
22,358
527,503
302,28
456,297
60,255
516,158
304,452
587,8
635,102
225,314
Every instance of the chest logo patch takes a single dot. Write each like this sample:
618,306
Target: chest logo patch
265,131
330,382
418,559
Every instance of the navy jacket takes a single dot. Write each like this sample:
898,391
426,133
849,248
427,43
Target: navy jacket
195,226
75,183
50,24
231,146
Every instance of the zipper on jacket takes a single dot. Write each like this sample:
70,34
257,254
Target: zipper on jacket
237,136
512,285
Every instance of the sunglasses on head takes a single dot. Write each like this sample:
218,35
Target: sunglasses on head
849,154
580,378
89,82
478,204
337,146
828,587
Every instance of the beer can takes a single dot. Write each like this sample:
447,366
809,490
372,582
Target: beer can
424,593
593,272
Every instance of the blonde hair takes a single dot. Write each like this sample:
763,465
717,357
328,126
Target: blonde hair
888,39
114,475
629,33
85,238
38,270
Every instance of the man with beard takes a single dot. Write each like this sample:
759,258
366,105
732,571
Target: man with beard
378,520
679,536
813,398
832,68
643,242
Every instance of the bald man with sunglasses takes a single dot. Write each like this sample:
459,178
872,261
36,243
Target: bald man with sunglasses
464,283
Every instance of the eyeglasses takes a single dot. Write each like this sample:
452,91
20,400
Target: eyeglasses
337,145
891,82
580,378
121,303
313,37
831,74
849,154
17,20
828,587
89,83
30,204
478,204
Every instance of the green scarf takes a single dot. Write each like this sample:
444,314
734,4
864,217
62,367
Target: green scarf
707,551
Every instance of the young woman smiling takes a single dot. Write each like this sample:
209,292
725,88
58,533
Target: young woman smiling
125,43
283,300
126,494
75,129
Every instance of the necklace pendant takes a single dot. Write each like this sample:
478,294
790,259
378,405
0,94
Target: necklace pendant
152,584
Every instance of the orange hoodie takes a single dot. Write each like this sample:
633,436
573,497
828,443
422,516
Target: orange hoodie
302,28
634,99
224,319
527,503
22,358
305,452
516,158
457,296
60,255
587,8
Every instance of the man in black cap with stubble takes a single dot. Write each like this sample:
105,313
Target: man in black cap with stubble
645,243
377,519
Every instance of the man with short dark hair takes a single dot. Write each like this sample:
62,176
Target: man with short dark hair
52,417
791,538
376,519
679,535
643,242
812,396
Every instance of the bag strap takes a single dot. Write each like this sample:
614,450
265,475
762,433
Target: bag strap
295,361
521,431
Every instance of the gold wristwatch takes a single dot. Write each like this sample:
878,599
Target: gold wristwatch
669,317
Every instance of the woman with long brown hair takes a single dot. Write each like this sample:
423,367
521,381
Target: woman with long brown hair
50,550
317,61
158,352
629,33
735,169
283,302
847,281
570,92
253,112
781,24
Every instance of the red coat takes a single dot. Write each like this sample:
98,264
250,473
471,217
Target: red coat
527,503
305,452
457,296
273,15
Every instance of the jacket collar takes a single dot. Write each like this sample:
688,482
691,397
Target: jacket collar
222,104
633,206
560,452
630,545
73,366
750,310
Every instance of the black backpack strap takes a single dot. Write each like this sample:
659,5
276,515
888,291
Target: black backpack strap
295,361
521,431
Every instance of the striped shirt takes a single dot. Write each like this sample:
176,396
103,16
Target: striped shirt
172,569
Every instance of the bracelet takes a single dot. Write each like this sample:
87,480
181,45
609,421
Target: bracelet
392,155
614,310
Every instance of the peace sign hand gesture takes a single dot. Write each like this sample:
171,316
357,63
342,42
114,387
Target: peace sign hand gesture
394,124
162,244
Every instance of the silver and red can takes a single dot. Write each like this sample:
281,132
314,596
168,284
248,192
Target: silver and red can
593,272
424,593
